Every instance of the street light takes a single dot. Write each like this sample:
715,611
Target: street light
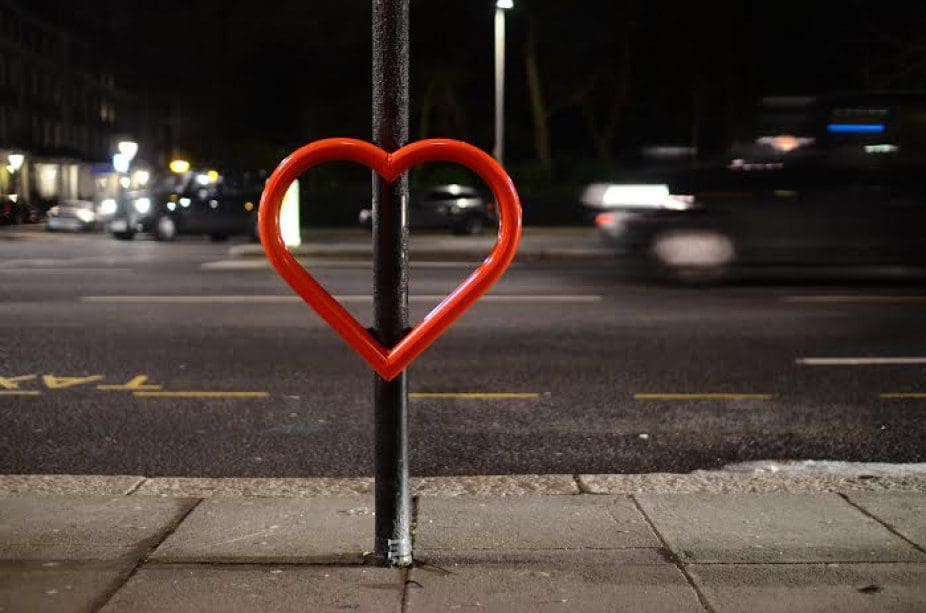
16,161
500,7
179,166
121,163
128,149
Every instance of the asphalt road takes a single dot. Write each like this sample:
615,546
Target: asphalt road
149,358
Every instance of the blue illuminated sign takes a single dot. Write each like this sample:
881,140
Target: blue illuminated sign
855,128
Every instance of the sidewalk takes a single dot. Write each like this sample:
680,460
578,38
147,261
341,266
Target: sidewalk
537,243
519,543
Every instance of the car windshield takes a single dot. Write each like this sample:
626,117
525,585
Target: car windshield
449,192
171,183
78,204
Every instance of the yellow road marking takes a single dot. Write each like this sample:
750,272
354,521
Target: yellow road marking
900,395
19,393
200,394
12,383
56,383
478,395
704,396
136,383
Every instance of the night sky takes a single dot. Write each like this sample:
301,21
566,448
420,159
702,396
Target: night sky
255,78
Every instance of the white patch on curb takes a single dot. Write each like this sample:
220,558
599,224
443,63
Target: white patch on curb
861,361
852,299
821,467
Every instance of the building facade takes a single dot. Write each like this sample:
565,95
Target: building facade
60,109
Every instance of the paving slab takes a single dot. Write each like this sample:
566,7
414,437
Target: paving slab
795,588
324,529
531,522
551,581
59,587
206,487
44,527
772,528
903,512
494,485
238,589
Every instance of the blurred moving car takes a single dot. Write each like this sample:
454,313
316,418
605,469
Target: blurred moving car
72,216
458,208
820,181
702,224
195,202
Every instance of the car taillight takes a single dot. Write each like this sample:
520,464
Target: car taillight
604,219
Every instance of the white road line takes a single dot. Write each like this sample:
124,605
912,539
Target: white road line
189,299
61,271
852,299
343,298
236,265
860,361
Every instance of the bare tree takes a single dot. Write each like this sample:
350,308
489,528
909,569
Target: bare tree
613,86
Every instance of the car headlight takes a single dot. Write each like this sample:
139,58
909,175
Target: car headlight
630,196
108,206
142,205
85,215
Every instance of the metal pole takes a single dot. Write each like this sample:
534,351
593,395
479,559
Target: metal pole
393,545
498,150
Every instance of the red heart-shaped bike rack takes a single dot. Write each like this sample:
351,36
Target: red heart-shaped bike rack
389,362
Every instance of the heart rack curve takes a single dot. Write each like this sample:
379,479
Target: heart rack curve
389,362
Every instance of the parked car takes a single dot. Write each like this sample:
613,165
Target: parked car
72,216
704,224
196,202
458,208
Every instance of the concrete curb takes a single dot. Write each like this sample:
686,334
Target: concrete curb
488,485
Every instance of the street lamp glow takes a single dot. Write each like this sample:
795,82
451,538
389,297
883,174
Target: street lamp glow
16,161
179,166
140,177
121,162
289,216
128,149
499,147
